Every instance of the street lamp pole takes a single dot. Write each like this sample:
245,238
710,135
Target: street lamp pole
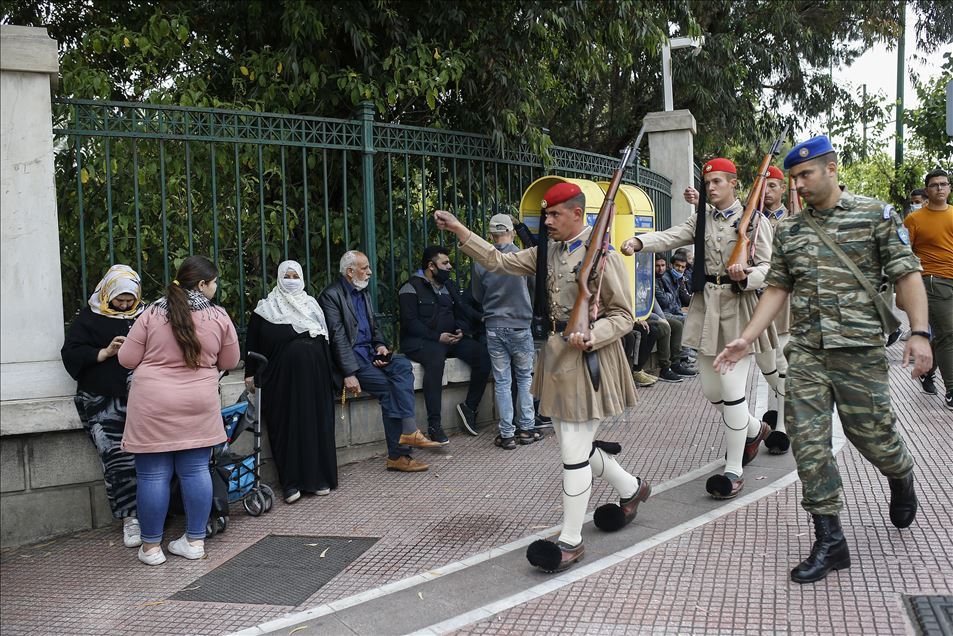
667,47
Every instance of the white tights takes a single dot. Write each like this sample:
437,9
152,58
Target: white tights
774,360
575,446
727,393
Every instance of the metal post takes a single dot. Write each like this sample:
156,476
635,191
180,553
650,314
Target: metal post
898,148
864,119
669,103
366,115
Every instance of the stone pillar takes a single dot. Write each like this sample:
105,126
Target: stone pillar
671,153
31,314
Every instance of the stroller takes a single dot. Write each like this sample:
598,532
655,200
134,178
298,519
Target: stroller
237,476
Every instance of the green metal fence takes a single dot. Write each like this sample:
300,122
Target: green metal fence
149,184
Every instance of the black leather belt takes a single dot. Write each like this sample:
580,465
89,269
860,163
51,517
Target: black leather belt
720,279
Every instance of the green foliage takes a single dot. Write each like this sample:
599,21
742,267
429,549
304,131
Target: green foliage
928,122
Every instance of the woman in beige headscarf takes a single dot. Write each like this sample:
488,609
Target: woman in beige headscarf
89,354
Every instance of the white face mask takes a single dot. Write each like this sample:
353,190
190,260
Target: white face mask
292,285
360,284
915,206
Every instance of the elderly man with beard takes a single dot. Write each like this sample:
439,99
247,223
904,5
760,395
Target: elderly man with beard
366,363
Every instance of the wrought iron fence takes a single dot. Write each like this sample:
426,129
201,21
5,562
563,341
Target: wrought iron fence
149,184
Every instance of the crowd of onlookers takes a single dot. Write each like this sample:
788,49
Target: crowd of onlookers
147,374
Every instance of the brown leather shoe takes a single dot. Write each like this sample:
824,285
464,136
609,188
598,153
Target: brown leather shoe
752,446
724,487
552,556
611,517
631,505
406,465
418,440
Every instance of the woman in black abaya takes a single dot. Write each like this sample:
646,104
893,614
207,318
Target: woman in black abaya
288,328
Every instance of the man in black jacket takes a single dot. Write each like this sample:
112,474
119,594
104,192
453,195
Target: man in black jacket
433,320
365,361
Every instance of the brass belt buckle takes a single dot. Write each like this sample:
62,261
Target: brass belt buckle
718,279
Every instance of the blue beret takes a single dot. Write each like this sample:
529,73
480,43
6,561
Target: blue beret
807,150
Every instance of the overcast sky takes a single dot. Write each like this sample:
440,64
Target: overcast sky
878,67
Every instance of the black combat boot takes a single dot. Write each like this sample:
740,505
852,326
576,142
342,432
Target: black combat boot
829,551
903,501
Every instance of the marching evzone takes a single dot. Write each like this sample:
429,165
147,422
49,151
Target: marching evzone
723,301
773,364
561,380
829,260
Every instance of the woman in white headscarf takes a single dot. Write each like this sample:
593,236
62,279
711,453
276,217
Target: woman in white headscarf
288,328
89,355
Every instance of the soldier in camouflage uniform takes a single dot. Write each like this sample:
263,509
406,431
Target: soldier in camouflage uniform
836,353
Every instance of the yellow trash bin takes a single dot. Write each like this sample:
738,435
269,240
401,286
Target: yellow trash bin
634,215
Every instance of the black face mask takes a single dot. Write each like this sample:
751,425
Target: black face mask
441,276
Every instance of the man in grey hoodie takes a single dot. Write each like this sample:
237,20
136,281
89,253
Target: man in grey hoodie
507,313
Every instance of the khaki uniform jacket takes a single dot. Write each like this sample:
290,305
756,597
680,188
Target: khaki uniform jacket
783,321
718,315
560,379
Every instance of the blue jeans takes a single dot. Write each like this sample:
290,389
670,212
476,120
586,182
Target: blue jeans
393,385
512,350
153,477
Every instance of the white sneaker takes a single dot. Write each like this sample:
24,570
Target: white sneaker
183,548
152,558
323,492
130,533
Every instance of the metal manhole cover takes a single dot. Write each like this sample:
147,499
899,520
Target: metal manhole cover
277,570
931,615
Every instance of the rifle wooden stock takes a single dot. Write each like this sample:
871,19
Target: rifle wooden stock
739,256
794,201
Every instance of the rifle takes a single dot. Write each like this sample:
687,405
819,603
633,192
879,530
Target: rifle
542,314
739,256
794,201
589,272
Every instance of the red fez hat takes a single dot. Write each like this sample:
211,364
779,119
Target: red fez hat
559,193
719,165
775,173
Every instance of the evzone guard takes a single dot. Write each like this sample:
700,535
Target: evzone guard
579,378
771,363
774,211
724,299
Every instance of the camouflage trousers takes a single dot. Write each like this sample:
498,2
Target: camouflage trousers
855,379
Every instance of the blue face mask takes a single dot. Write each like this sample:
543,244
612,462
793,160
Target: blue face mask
677,274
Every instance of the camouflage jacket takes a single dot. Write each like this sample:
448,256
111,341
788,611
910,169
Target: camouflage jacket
829,307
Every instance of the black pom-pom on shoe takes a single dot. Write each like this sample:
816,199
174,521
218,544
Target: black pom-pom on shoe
770,418
609,517
718,485
778,443
545,555
723,486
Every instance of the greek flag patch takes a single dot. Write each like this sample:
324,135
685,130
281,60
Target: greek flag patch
888,210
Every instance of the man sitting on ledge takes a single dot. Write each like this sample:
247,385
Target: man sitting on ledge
364,360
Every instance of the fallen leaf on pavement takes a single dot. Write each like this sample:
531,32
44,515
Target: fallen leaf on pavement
153,603
420,595
325,552
297,629
312,545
